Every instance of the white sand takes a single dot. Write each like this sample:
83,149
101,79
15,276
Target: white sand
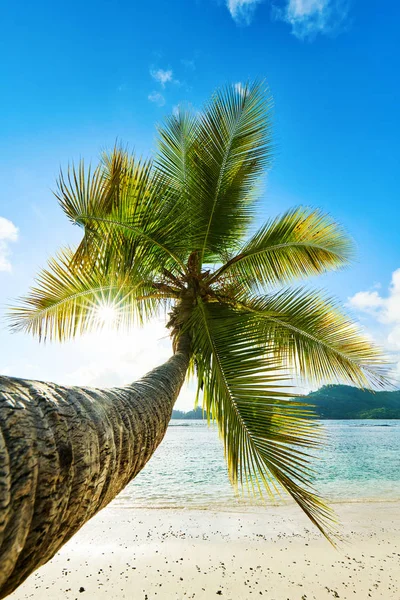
274,553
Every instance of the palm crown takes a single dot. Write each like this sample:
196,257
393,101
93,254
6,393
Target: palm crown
174,234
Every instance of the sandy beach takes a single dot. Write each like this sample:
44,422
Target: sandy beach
275,553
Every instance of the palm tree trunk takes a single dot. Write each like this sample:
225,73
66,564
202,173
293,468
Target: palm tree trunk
66,452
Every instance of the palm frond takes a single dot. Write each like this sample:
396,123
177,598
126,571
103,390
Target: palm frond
215,160
177,162
313,335
235,148
300,243
126,211
267,435
82,190
177,140
67,302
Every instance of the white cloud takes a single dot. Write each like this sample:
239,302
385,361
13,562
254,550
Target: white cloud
116,357
242,11
103,359
8,233
310,17
157,98
110,358
162,76
368,302
307,18
385,310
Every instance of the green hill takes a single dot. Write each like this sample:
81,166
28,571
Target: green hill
192,414
339,402
346,402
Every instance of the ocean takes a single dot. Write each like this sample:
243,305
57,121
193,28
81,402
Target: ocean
360,462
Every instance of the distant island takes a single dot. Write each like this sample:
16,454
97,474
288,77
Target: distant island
338,402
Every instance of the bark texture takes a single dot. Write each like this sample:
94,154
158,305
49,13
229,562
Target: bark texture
65,452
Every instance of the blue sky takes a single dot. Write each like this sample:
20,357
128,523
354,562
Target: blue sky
75,76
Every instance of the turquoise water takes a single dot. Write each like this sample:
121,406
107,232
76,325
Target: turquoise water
361,462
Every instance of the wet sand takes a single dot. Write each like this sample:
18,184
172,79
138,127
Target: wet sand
274,553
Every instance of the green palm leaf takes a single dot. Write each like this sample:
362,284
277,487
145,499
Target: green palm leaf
234,149
177,151
266,433
67,302
214,161
177,162
128,212
312,334
300,243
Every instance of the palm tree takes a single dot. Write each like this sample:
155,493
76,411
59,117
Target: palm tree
175,235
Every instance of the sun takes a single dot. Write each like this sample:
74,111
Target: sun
106,314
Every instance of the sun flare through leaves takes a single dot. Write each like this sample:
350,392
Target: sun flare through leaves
107,314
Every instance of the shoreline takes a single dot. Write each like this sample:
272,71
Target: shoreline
250,507
273,552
